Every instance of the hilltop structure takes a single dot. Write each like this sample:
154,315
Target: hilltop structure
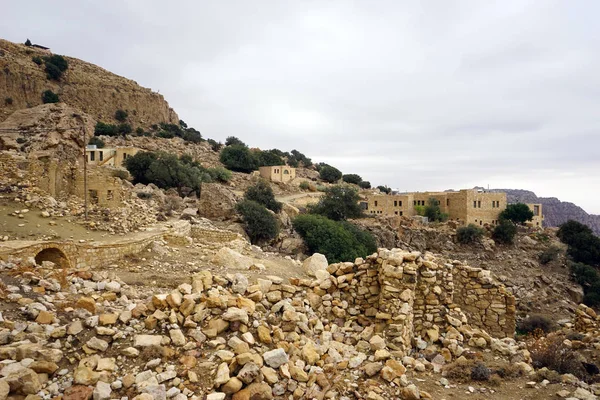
278,173
467,206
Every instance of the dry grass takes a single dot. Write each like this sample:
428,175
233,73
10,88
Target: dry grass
550,352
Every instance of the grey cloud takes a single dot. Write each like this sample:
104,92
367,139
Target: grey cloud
416,95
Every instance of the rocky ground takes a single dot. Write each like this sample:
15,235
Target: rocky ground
222,335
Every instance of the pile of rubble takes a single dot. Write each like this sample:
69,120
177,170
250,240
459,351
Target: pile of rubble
222,336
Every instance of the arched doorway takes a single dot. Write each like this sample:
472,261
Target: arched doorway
54,255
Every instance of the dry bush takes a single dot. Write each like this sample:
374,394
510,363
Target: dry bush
459,370
509,371
171,204
548,374
550,352
535,323
480,372
495,380
152,352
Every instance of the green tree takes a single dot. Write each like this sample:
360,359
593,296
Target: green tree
262,193
568,231
269,158
53,72
433,212
330,174
124,129
295,158
233,141
583,245
121,115
505,232
352,178
55,66
518,213
259,223
338,203
364,185
338,241
49,97
95,140
384,189
139,164
238,158
469,234
220,174
105,129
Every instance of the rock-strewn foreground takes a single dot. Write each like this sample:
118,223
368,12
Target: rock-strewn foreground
220,337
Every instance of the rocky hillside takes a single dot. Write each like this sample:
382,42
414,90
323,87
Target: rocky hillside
555,211
84,86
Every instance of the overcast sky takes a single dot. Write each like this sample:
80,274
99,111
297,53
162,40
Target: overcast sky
427,95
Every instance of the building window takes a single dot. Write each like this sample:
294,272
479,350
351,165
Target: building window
396,212
474,203
480,222
479,204
536,210
447,202
400,204
93,196
100,155
92,156
396,203
375,203
401,212
286,172
414,202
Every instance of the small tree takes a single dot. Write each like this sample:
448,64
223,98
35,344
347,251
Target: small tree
124,129
233,141
28,43
384,189
95,140
268,158
214,145
339,202
365,185
220,174
352,178
262,193
238,158
504,232
518,213
330,174
121,115
138,164
105,129
433,212
49,97
469,234
259,223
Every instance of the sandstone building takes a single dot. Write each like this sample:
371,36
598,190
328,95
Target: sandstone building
467,206
109,156
538,217
278,173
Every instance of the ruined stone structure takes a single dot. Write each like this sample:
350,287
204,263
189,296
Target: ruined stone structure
278,173
467,206
114,157
417,295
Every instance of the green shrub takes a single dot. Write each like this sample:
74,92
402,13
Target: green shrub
433,212
262,193
220,174
121,115
504,232
339,202
304,185
21,140
259,223
139,131
49,97
8,101
384,189
214,145
364,185
192,135
296,158
124,129
535,323
548,255
338,241
233,141
139,164
330,174
352,178
518,213
144,195
321,188
105,129
55,66
469,234
268,158
37,60
238,158
95,140
584,246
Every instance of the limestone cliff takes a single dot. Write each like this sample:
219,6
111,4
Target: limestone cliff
84,86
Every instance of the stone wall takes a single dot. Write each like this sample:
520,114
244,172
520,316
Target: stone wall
213,235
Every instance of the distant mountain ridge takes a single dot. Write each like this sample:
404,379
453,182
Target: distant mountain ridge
555,211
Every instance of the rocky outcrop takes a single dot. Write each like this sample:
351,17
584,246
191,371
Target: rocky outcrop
85,86
555,211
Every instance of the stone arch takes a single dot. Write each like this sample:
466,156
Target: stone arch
53,254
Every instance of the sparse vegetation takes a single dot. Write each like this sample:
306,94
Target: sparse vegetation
340,202
49,97
469,234
518,213
214,145
330,174
121,115
304,185
535,323
105,129
352,178
262,193
238,158
433,212
56,65
95,140
550,352
337,240
548,255
220,174
504,232
480,372
260,225
38,60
